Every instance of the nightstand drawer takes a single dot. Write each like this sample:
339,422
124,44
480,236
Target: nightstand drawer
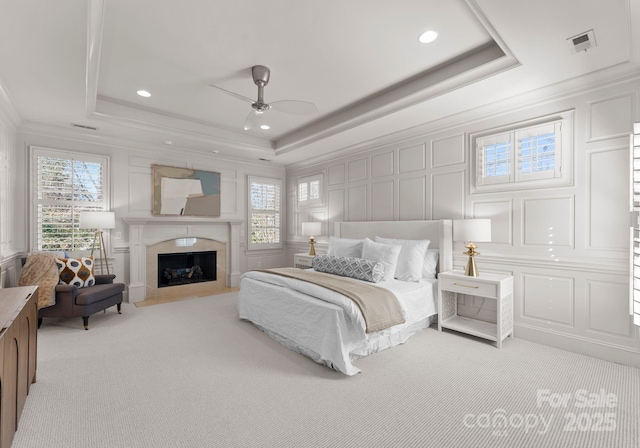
302,261
469,287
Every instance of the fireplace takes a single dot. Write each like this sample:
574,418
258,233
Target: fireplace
193,267
186,268
151,236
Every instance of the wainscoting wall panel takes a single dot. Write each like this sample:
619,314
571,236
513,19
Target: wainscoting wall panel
501,215
336,206
411,201
565,245
140,190
382,165
611,117
548,222
606,307
357,207
357,170
383,194
607,228
448,195
228,201
447,151
549,299
336,175
412,158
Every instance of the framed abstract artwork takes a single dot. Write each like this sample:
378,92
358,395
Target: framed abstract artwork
185,192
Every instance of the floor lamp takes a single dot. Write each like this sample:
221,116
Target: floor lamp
98,221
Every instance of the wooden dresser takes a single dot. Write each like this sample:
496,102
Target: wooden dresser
18,344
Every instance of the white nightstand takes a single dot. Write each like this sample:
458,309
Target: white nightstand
302,261
492,286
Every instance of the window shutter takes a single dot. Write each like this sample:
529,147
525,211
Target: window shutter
539,150
309,190
303,191
265,215
634,299
66,184
314,189
495,158
535,153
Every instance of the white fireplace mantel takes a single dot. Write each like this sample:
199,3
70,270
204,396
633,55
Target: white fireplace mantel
147,231
180,220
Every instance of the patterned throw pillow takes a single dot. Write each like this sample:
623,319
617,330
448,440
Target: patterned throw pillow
77,272
358,268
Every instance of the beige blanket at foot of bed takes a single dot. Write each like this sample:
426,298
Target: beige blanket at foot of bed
40,269
380,307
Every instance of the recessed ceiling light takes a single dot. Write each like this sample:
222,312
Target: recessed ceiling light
428,37
168,142
265,127
143,93
215,151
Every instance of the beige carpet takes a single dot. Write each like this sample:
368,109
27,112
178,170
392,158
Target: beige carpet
190,374
161,300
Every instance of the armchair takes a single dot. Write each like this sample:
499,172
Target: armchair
72,301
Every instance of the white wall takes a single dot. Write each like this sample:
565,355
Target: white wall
571,283
131,193
8,203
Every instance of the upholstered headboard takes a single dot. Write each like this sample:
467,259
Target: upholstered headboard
439,232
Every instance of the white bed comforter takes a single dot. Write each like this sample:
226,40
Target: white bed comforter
330,330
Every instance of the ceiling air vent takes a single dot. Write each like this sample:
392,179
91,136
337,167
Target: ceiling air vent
82,126
581,42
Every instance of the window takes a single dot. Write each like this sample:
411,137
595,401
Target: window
309,190
265,213
634,234
524,154
65,185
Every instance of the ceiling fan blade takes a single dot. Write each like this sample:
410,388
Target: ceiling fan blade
244,98
252,120
294,107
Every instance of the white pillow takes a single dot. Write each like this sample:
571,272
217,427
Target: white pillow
344,247
387,254
431,263
411,259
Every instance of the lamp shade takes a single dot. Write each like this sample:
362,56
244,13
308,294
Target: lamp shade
311,228
97,220
476,230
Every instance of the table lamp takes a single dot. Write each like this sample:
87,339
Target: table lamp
98,221
311,229
478,230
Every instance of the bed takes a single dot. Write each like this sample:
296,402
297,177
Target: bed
330,328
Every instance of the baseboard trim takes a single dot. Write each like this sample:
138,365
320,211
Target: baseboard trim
629,357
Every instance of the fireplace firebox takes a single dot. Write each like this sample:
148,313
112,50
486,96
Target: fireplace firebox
186,267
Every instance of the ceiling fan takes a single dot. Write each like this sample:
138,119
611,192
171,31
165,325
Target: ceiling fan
260,75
